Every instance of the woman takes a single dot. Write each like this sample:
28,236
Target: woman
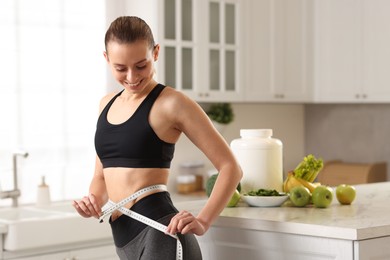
135,137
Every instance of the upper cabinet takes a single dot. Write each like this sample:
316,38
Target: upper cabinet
351,55
276,50
318,51
201,48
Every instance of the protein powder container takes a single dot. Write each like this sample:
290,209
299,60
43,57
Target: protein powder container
261,159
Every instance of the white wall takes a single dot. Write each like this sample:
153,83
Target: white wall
349,132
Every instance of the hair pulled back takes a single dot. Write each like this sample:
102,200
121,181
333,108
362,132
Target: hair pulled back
129,29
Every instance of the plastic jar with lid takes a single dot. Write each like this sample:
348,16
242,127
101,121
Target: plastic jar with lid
261,159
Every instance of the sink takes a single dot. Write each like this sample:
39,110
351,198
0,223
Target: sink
31,227
18,214
60,207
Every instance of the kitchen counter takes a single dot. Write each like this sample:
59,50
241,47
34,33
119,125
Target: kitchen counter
248,232
348,231
367,217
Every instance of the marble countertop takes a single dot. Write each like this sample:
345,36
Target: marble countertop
367,217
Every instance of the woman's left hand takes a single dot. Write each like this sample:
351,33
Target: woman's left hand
184,222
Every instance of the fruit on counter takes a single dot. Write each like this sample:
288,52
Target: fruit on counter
345,194
210,184
292,181
300,196
322,196
304,174
234,199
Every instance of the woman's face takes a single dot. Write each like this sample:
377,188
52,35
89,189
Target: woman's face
132,64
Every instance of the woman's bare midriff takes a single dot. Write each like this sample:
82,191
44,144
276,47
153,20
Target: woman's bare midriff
122,182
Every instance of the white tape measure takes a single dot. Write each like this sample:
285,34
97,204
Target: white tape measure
111,206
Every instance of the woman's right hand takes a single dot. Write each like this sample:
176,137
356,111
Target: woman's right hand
87,207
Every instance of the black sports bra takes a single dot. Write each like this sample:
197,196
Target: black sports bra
133,143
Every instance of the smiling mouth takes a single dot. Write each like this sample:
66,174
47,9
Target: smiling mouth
133,84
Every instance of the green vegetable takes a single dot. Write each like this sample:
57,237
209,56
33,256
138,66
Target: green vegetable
210,184
309,168
221,113
264,192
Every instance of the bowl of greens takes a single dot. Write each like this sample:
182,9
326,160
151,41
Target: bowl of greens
265,198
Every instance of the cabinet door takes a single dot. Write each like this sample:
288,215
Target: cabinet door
376,51
200,48
259,49
92,253
372,249
235,243
291,62
277,49
95,253
223,62
337,50
59,256
177,42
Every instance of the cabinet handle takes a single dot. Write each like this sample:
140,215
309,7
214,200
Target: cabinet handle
364,95
279,95
357,96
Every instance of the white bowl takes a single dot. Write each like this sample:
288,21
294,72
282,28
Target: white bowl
265,201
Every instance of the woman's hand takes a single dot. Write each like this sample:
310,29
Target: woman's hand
87,207
184,222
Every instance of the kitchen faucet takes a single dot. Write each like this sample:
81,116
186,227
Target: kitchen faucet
15,192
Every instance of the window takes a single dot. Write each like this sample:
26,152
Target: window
53,75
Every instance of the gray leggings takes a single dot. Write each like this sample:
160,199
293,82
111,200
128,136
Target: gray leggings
151,244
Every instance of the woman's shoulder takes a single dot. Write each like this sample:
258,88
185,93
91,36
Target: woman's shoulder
174,96
174,100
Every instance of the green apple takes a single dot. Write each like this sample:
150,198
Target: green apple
345,194
322,196
234,199
300,196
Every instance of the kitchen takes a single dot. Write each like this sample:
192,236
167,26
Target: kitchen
307,121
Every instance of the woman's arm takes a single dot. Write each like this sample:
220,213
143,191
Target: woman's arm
194,122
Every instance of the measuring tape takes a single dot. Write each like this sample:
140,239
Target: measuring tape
111,206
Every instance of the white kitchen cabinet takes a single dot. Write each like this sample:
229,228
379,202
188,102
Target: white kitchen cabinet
201,48
222,243
106,252
317,51
350,51
59,256
237,243
371,249
277,38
